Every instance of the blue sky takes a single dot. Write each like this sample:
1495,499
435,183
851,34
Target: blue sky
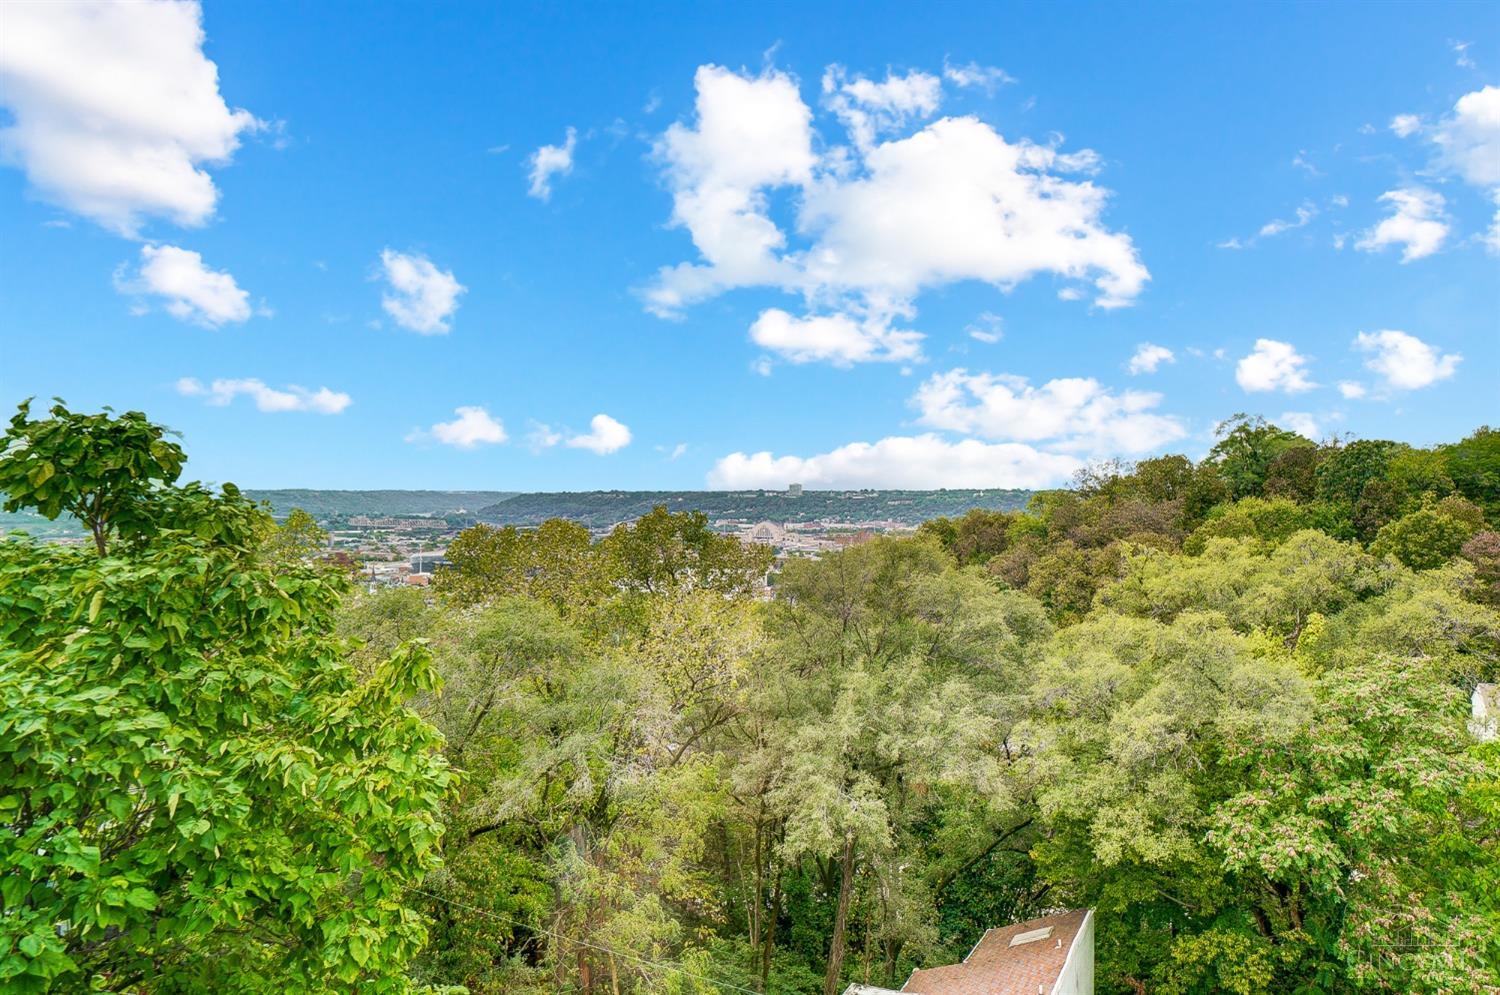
847,245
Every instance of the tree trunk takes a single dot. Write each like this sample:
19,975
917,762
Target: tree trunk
768,930
756,906
585,973
840,919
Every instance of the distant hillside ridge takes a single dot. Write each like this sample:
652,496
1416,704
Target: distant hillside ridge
600,509
376,504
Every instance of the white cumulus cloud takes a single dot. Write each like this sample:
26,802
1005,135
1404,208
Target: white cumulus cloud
188,289
1273,365
471,427
605,436
1404,361
1469,139
1352,390
752,135
1301,422
421,298
1148,357
115,110
835,338
1070,414
955,202
290,398
1417,224
922,461
1469,144
878,223
549,161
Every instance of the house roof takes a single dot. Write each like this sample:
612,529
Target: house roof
1021,959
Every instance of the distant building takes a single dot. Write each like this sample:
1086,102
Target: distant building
418,580
1053,955
794,490
766,532
398,524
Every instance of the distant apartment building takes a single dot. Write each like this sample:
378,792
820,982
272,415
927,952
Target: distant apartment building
1053,955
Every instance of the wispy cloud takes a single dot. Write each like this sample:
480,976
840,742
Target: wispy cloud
549,161
269,399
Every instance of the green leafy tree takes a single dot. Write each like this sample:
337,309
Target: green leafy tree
1380,502
980,534
1343,473
665,551
911,667
1293,474
1474,467
1483,551
556,562
1269,521
101,469
296,540
197,791
1217,718
1424,539
1159,480
1356,830
1421,474
1463,510
1245,450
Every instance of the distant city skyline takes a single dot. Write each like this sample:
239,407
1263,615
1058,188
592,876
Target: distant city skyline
837,245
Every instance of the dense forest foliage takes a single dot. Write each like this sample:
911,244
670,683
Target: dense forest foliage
1224,704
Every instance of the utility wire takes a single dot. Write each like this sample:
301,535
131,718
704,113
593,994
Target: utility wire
722,985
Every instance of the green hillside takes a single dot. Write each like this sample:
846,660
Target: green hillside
599,509
341,504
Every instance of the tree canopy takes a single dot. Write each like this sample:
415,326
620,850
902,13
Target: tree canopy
1222,703
198,791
